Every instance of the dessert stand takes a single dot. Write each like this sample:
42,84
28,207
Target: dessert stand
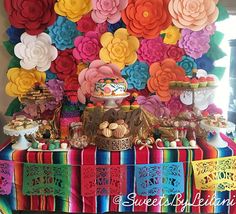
216,140
110,101
21,143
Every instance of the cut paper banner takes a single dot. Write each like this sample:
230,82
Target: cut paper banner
6,173
46,179
159,179
216,174
103,180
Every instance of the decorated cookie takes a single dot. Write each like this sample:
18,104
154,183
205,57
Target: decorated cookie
120,122
113,126
119,132
104,125
107,132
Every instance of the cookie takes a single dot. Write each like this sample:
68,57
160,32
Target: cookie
119,132
126,125
113,126
107,132
120,122
103,125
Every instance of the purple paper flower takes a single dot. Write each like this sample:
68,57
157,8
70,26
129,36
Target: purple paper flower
153,105
55,86
209,29
152,50
205,63
194,43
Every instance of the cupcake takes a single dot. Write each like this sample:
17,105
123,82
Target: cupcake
186,82
125,105
179,82
172,84
134,105
210,81
202,82
90,107
194,83
99,105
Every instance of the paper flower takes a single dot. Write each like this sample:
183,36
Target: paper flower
161,73
210,29
174,52
88,77
146,18
152,50
64,65
101,28
87,47
195,44
193,15
205,63
35,51
71,86
153,105
50,75
113,27
188,64
35,15
73,9
33,109
21,80
14,34
136,75
56,89
120,48
86,24
175,106
172,35
108,10
63,32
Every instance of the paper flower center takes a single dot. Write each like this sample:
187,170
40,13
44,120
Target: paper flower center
145,14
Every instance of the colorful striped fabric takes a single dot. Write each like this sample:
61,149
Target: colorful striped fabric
91,156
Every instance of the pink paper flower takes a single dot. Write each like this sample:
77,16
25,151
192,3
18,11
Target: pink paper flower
175,106
108,10
174,52
89,76
86,24
152,50
101,28
87,47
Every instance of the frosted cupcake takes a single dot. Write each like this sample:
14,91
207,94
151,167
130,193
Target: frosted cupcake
194,83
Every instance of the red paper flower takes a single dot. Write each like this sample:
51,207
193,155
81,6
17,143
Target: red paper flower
34,15
146,18
174,52
64,65
86,24
71,86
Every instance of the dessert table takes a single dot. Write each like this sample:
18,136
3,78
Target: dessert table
77,203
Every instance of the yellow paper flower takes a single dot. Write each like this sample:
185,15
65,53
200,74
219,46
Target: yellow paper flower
172,35
73,9
120,48
21,80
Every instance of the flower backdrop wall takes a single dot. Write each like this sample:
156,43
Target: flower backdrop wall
70,44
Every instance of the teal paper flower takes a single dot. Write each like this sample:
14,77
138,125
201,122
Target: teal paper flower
63,32
136,75
188,64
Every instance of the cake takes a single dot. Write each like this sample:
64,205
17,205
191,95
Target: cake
110,87
21,122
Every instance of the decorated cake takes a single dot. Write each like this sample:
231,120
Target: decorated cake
110,87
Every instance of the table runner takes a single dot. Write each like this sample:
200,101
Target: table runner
90,156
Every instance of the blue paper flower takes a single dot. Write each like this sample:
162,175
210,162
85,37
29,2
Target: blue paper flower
113,27
136,75
188,64
205,63
63,32
14,34
50,75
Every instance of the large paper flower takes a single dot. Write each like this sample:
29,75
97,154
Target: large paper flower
174,52
21,80
161,74
89,76
120,48
36,51
35,15
63,32
136,75
175,106
71,86
108,10
73,9
87,47
86,23
195,44
113,27
172,35
152,50
205,63
153,105
188,64
55,87
193,14
64,65
14,34
146,18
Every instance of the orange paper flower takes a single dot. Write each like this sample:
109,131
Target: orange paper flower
161,73
146,18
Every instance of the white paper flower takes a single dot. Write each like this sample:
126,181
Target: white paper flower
36,51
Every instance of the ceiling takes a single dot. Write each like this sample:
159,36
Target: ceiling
230,5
